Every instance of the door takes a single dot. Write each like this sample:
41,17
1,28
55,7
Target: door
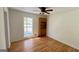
42,26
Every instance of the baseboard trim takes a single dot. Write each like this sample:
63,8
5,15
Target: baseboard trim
62,42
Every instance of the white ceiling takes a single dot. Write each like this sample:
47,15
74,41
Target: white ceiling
36,10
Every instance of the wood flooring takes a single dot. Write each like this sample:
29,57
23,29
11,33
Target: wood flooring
40,44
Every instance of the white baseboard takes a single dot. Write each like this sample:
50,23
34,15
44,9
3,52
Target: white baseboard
53,37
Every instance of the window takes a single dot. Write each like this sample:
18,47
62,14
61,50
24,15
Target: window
28,26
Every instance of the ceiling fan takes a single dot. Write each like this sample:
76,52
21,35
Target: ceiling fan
45,10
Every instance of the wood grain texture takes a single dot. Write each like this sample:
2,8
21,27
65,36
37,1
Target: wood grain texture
42,27
40,44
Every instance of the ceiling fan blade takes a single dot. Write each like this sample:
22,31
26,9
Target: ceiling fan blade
49,10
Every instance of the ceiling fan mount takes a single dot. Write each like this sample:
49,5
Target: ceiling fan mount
45,10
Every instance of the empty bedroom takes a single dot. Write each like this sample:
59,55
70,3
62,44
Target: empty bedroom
39,29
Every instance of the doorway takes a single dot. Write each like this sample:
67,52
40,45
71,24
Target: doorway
28,27
42,27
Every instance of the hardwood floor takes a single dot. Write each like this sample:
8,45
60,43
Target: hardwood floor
40,44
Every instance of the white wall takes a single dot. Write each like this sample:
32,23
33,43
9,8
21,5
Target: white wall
2,30
64,27
17,25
